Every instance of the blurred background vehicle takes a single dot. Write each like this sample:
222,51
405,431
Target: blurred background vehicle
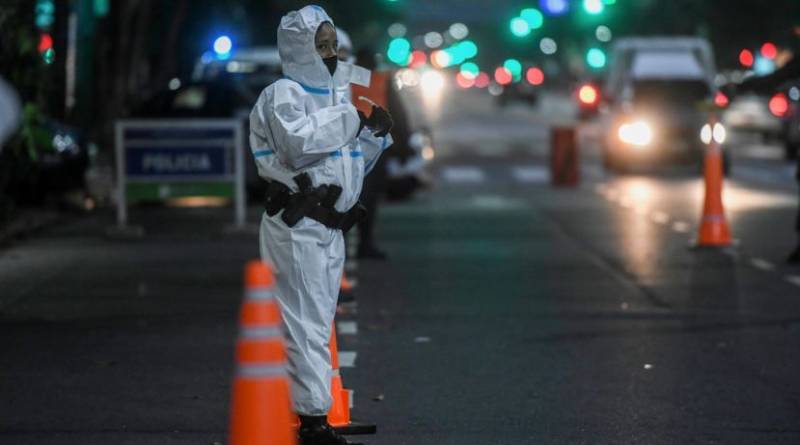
751,113
785,104
522,92
655,93
228,88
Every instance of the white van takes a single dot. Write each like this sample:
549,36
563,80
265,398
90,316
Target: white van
655,91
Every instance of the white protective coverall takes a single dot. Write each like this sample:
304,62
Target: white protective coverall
304,123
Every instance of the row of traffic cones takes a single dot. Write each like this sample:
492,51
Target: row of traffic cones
260,406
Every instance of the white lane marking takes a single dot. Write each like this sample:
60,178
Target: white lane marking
347,359
533,174
347,328
794,279
660,217
495,202
463,174
680,226
758,263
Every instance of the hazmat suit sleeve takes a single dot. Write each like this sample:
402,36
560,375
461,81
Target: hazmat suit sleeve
304,138
372,147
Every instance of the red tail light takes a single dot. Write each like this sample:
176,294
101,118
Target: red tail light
779,105
721,100
588,95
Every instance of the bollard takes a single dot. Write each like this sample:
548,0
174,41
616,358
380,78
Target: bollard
564,167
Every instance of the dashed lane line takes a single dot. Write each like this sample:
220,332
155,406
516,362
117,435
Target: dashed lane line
680,226
531,174
347,328
347,359
660,217
794,279
761,264
463,174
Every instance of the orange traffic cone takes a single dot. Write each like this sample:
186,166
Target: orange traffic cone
339,415
346,290
714,230
260,408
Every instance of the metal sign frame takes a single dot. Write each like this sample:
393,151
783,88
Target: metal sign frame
236,145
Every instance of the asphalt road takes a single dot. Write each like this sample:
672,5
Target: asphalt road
510,312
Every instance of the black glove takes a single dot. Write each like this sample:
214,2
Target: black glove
380,121
362,122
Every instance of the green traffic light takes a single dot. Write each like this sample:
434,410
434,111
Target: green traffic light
519,27
532,17
468,49
399,51
594,7
470,68
514,67
596,58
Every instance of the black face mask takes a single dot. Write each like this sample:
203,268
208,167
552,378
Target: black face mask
331,63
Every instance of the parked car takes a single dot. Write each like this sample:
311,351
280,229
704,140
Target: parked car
229,88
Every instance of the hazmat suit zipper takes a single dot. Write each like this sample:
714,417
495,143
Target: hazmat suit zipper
346,159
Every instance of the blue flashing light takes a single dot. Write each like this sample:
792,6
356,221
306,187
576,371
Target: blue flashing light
764,66
223,46
554,7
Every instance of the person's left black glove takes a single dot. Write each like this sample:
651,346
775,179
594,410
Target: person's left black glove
380,121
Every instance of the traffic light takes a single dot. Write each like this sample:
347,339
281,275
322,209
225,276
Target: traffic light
519,27
503,76
399,51
468,49
101,8
594,7
588,95
45,43
45,14
534,76
470,69
746,58
779,105
514,67
532,17
769,50
596,58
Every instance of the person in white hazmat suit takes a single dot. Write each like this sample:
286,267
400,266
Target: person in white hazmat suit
314,149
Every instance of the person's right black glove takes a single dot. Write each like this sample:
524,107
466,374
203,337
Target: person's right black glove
362,121
380,121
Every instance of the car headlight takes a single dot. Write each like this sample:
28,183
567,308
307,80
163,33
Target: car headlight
432,83
638,133
718,133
